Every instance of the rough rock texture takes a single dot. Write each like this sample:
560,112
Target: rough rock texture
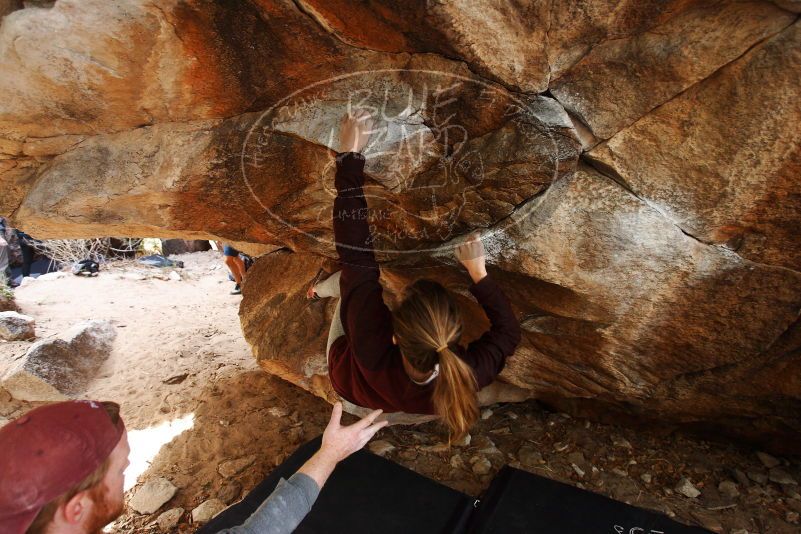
723,160
635,168
229,468
207,510
230,492
194,174
15,326
687,488
53,369
169,519
620,80
152,495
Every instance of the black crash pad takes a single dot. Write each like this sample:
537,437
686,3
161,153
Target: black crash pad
370,494
365,494
518,501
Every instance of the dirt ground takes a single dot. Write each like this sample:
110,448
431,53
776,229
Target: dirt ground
193,397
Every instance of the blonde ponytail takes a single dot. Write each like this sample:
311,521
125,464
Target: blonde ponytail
426,324
456,394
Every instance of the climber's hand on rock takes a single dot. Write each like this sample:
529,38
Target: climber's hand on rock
471,254
354,130
339,441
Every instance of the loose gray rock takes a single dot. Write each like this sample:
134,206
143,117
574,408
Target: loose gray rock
780,476
577,457
758,476
229,492
647,478
481,466
231,468
687,488
464,442
169,519
15,326
152,495
486,414
457,462
767,460
381,447
578,470
436,448
489,447
729,489
529,456
742,478
621,442
54,369
207,510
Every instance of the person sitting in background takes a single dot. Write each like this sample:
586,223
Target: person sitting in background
62,465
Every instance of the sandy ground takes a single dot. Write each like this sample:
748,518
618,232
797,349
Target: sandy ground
165,329
193,397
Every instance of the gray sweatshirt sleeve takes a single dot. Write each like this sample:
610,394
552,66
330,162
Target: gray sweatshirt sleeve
283,510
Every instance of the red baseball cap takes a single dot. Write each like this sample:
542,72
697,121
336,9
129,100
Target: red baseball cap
46,452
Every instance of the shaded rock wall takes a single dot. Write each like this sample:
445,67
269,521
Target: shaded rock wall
635,168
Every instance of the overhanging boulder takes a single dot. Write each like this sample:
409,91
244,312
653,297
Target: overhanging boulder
634,167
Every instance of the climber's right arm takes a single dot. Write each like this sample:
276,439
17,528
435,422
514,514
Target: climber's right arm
487,355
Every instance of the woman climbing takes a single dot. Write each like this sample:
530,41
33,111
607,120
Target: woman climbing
409,360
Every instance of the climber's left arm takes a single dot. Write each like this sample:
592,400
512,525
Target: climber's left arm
365,317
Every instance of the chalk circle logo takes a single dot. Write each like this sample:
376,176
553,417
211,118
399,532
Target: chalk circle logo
420,152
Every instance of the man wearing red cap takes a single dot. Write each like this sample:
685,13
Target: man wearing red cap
61,471
61,468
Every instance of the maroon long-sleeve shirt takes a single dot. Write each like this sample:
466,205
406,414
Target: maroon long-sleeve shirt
364,365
